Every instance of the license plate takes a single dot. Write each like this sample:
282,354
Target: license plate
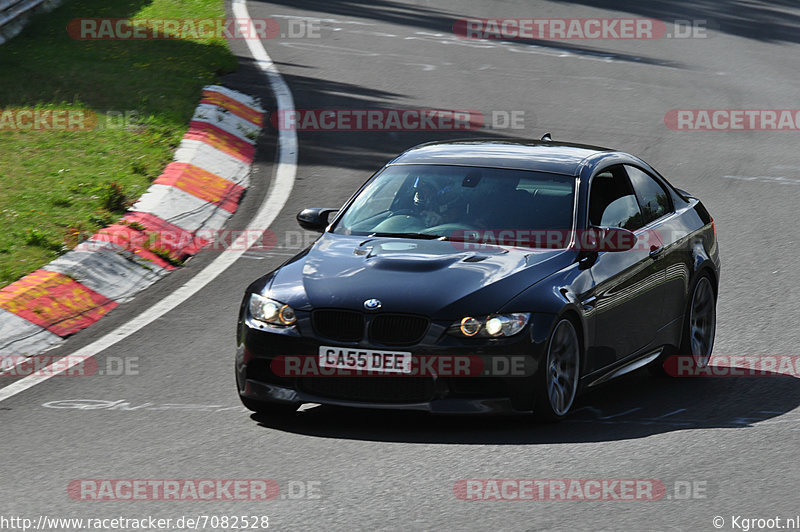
365,360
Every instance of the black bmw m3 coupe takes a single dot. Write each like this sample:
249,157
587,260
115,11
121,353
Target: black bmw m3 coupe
484,276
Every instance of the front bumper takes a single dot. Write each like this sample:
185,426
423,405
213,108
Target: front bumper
278,394
507,386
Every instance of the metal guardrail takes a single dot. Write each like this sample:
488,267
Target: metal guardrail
14,14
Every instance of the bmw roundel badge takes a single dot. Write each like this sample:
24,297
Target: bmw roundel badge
372,304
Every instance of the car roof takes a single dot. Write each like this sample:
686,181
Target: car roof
544,156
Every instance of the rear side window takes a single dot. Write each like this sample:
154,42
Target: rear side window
654,200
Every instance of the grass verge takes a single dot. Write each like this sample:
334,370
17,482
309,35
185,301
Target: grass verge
58,187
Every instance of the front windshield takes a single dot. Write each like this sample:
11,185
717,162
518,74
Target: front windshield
447,201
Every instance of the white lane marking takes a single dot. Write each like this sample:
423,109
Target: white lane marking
329,20
122,405
453,40
279,192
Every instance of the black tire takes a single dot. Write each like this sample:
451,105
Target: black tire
702,297
558,375
700,348
264,407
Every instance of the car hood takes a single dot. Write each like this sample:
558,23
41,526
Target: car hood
431,277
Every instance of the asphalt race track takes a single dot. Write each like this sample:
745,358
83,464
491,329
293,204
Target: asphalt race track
175,413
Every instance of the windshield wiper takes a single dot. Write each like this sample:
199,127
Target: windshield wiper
421,236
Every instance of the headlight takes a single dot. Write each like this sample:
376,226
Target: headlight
270,311
492,326
469,326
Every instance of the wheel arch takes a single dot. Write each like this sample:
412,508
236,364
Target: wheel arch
571,313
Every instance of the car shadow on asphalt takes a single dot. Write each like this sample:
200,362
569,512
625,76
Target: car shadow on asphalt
364,151
635,406
440,25
768,20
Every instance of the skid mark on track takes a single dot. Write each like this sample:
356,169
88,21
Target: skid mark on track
780,180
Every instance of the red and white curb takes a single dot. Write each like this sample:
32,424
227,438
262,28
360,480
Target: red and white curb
191,200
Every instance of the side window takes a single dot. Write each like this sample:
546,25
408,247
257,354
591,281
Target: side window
612,202
654,201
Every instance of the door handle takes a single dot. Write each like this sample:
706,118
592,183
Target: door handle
655,251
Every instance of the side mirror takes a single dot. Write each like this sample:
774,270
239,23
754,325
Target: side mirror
314,219
606,239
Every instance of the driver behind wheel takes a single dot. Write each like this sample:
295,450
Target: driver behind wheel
424,202
438,207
